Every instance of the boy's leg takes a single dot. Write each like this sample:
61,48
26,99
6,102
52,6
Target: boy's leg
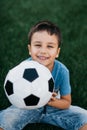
73,118
14,118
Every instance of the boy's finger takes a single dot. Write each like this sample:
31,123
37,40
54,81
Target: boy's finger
54,94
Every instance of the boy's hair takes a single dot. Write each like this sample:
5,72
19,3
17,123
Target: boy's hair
51,28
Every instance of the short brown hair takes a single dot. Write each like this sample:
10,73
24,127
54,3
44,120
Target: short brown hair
45,26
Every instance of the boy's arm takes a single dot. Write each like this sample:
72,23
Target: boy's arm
63,103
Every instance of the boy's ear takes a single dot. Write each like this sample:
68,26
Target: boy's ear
58,52
29,50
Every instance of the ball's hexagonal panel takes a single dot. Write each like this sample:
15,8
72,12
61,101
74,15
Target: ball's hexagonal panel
30,74
9,87
51,85
31,100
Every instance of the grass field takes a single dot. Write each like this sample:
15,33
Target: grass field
16,18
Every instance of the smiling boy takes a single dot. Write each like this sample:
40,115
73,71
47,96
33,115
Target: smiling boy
44,47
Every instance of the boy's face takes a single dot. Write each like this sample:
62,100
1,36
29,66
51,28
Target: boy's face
44,48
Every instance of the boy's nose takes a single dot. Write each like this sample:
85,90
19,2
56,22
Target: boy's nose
43,50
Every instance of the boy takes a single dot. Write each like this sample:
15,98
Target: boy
44,47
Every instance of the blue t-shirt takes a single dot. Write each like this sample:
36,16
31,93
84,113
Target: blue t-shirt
60,75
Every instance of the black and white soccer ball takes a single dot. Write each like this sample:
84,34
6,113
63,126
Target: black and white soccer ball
29,85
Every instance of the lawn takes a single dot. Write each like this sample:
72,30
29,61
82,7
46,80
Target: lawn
17,17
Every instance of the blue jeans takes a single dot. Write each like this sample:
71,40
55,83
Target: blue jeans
14,118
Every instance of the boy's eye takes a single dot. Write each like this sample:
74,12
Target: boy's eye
38,45
50,46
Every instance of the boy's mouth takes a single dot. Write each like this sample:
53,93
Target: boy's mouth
43,58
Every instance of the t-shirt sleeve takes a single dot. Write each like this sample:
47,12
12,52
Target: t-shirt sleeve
65,87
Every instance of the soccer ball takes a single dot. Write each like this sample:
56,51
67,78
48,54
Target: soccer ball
29,85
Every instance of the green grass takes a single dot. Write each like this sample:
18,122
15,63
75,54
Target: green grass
16,18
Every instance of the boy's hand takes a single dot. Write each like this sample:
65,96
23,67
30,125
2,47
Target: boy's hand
53,98
63,103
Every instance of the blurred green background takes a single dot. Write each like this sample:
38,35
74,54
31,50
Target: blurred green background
17,17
